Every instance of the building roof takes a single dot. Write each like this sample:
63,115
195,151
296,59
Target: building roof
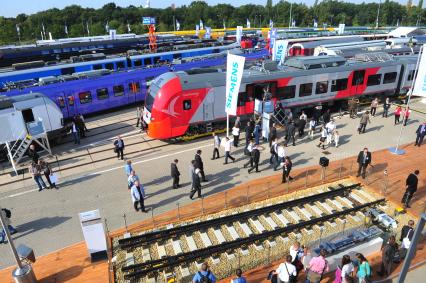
406,32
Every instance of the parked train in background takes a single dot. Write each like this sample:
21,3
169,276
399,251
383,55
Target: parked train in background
176,101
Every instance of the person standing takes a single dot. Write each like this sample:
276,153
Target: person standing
255,153
256,133
407,113
323,137
330,127
306,258
287,169
175,174
119,147
301,127
397,114
236,134
80,126
374,105
200,165
326,116
407,234
204,275
352,107
286,271
82,121
47,171
365,119
303,116
317,114
6,215
32,153
363,160
138,194
388,254
274,153
248,150
36,170
132,179
317,267
75,133
216,145
240,278
128,167
312,125
347,270
386,106
196,183
421,132
272,134
364,269
336,138
281,154
248,130
410,188
291,131
227,145
138,116
191,172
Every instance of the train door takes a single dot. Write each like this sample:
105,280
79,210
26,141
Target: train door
66,102
208,106
134,91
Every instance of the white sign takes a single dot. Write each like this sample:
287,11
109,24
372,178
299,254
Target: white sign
239,33
93,232
234,73
208,33
341,29
197,30
279,50
112,33
420,85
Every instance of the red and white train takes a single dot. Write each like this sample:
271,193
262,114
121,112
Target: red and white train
178,100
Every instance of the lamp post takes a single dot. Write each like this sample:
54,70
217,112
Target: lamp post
378,14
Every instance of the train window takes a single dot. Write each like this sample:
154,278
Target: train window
389,78
176,56
61,102
147,61
109,66
374,79
242,97
340,84
358,78
410,75
137,63
85,97
321,87
97,67
134,87
286,92
70,100
118,90
156,60
102,93
67,71
305,89
187,104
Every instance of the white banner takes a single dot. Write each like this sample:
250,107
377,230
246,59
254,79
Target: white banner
239,33
420,85
279,50
234,73
341,29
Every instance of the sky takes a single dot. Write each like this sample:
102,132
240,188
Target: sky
13,8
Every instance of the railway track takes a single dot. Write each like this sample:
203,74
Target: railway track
239,235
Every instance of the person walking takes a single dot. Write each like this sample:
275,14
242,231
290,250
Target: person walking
138,116
421,132
36,171
255,153
291,131
301,124
204,275
175,174
346,270
336,138
249,133
317,267
407,113
397,114
364,269
281,154
132,179
330,127
48,173
272,134
286,271
236,135
326,116
82,121
6,215
365,119
240,278
75,133
227,143
138,194
32,153
386,106
312,126
247,152
191,172
196,183
410,188
303,116
216,145
363,160
323,137
373,106
128,168
80,126
287,169
317,114
352,107
388,253
256,133
119,147
273,160
200,165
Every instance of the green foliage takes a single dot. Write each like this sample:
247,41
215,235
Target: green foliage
331,12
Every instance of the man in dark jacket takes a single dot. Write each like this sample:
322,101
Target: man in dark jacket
421,132
199,164
407,231
255,153
175,174
248,130
196,184
32,153
317,114
411,188
388,254
326,116
272,134
364,159
301,123
287,169
291,131
119,147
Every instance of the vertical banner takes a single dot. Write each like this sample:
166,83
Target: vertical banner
280,50
341,29
201,24
248,23
420,85
234,73
239,33
197,30
208,33
272,38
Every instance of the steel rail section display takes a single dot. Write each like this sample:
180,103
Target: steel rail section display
179,230
142,269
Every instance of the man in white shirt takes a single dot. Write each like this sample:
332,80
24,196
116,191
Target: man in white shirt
247,152
281,154
227,145
303,116
285,270
330,130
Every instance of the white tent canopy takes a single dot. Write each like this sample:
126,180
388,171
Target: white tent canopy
406,32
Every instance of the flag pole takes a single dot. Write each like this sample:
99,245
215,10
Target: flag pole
396,150
227,124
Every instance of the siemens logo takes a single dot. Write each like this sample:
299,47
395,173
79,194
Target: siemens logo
234,79
280,52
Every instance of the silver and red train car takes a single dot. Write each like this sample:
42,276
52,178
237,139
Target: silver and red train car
178,100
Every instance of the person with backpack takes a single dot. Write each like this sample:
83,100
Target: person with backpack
286,271
364,269
6,215
344,271
204,275
240,278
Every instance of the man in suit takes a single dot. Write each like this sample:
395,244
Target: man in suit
411,188
248,130
272,134
291,131
196,184
138,194
255,153
191,173
199,165
421,132
216,144
175,174
407,231
364,159
119,147
247,152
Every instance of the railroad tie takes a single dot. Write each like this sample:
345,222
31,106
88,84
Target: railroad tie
221,239
356,198
294,215
270,222
346,201
281,217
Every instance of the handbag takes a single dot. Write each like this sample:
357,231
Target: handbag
53,178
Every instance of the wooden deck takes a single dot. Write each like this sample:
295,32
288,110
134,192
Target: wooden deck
72,264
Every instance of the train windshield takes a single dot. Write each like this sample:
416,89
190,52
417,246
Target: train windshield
152,92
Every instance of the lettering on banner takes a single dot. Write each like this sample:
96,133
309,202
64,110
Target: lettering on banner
234,79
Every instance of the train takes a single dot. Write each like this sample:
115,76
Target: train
177,101
100,90
115,63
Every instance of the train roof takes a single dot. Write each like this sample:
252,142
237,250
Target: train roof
315,43
8,101
310,62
